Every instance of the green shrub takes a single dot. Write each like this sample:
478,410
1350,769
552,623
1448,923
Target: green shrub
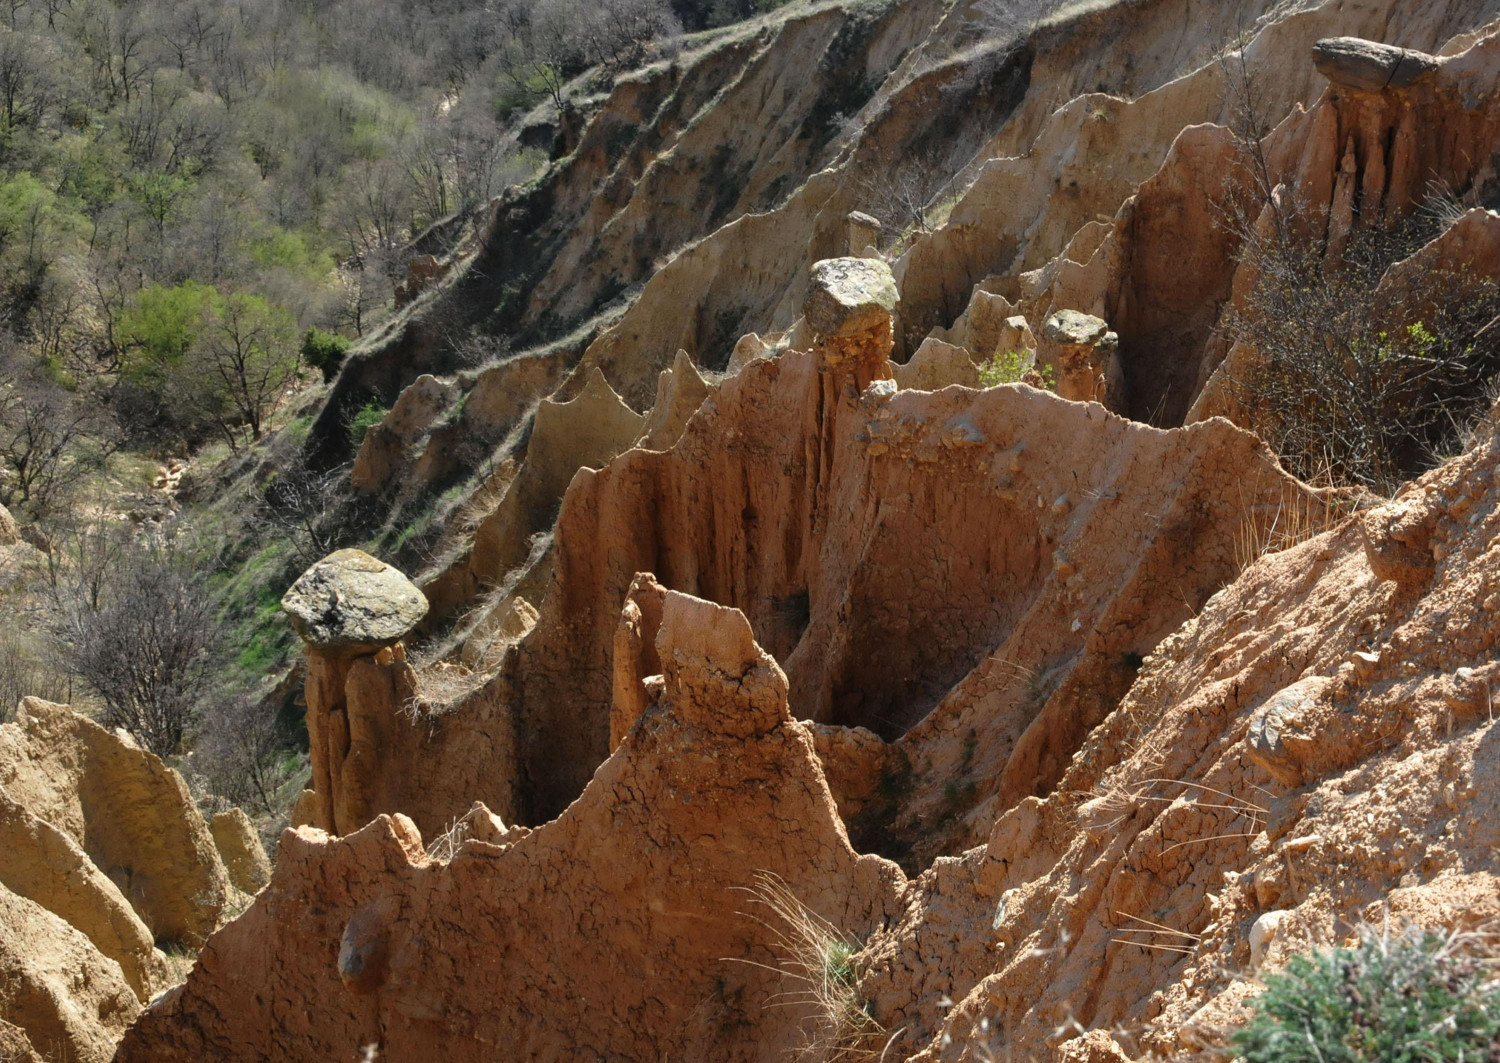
1397,998
369,415
1011,367
324,351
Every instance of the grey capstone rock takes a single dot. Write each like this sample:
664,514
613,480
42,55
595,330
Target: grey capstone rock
1369,66
1069,328
850,296
350,604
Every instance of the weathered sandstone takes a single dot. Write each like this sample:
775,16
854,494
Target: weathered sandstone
56,987
123,807
15,1046
1372,798
584,432
239,846
997,557
383,452
619,930
49,868
936,365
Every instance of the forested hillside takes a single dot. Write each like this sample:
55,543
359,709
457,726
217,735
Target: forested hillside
189,188
202,206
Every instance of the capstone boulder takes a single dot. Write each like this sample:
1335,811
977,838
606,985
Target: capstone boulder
350,604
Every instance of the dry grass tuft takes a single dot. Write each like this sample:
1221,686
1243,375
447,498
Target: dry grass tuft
819,961
1299,515
440,685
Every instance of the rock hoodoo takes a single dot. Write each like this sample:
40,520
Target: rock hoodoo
1097,685
1084,355
902,554
352,612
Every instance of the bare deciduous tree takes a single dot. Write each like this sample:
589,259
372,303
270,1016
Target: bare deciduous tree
49,437
301,509
149,649
1011,18
1342,380
899,193
239,750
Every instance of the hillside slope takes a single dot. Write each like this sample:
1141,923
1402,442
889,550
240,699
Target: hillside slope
766,705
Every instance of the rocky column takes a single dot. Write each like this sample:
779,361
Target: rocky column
637,668
1084,357
352,611
850,311
864,232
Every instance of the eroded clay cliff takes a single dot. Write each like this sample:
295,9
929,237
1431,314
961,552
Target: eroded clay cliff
621,929
105,858
1142,714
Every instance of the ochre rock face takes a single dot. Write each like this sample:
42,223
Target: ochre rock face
1372,797
357,738
15,1046
992,559
619,930
128,811
999,620
56,987
102,855
48,867
239,846
583,432
886,545
382,453
679,392
935,366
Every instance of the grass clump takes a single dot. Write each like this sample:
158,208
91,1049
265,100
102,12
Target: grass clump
1405,997
821,963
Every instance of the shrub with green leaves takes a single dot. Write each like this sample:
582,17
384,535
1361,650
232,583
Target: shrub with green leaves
1407,997
324,351
366,418
1011,367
